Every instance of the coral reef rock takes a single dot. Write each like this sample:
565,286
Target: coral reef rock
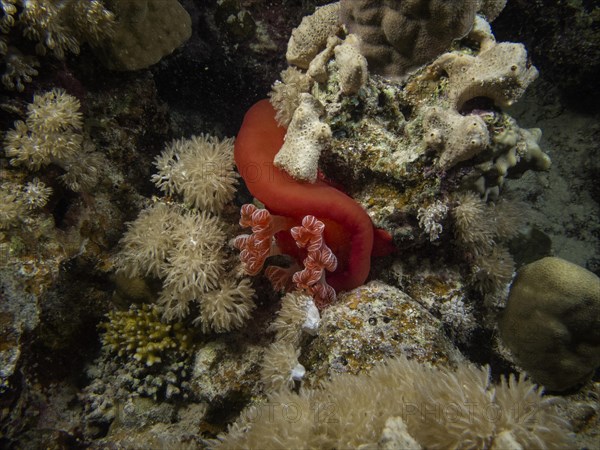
397,37
552,322
371,323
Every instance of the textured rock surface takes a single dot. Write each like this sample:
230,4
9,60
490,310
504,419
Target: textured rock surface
397,37
371,323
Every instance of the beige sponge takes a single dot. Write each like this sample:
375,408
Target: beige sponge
306,137
311,35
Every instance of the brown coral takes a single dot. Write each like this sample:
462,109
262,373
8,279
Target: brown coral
397,37
144,32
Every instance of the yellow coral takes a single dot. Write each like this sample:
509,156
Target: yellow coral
139,334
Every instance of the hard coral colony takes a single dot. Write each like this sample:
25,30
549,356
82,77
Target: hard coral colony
345,227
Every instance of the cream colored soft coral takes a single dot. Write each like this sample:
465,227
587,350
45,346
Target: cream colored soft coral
441,408
200,169
298,313
280,366
147,241
195,261
56,26
11,208
227,307
51,132
185,249
185,245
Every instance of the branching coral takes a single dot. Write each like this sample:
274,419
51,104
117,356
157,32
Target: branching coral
139,334
441,408
200,169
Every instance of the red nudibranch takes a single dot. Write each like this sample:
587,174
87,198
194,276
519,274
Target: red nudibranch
348,232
